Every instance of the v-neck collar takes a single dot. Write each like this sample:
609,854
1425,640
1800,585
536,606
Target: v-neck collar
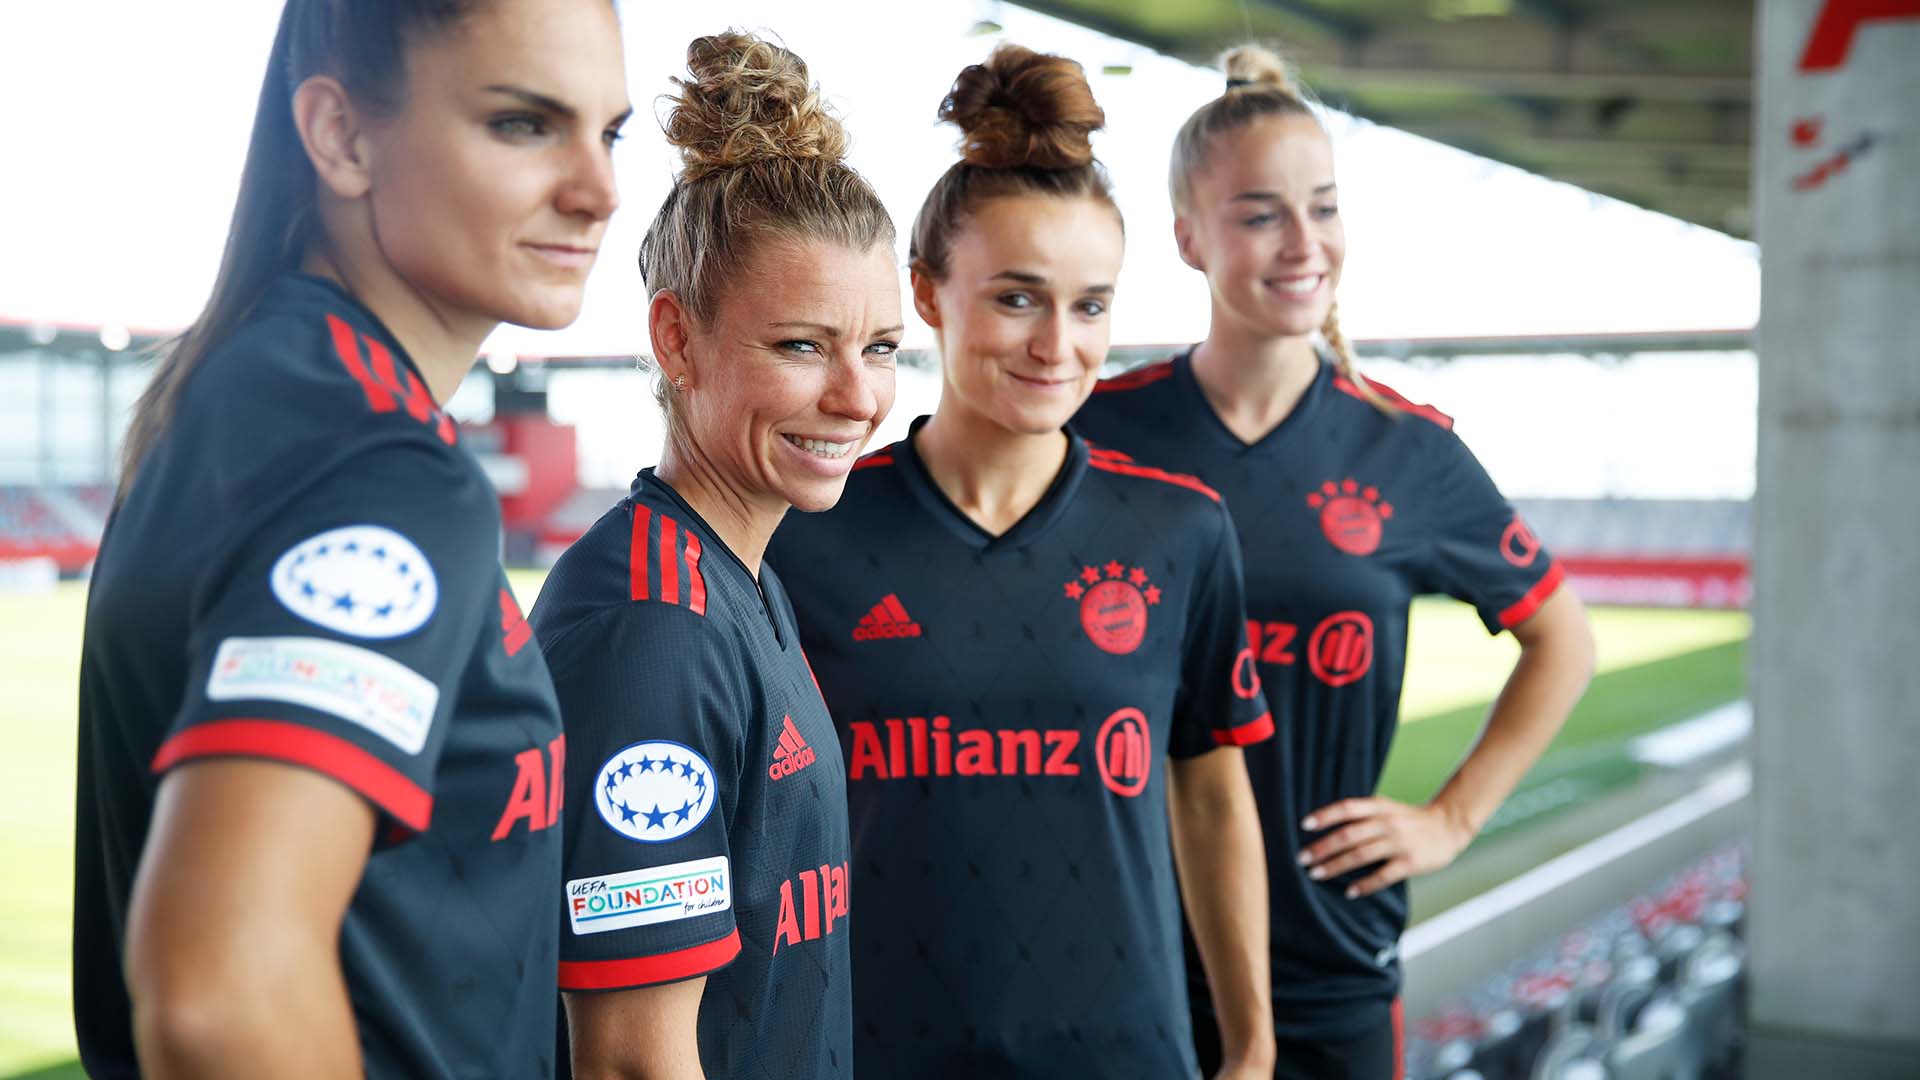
1217,429
1031,526
648,480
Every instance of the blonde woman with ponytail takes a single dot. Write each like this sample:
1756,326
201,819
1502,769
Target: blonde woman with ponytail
706,908
1035,657
1349,501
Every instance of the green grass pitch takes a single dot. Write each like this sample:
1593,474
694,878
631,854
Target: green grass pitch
1656,667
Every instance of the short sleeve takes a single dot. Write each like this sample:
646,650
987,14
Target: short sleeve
1482,551
656,714
335,634
1220,701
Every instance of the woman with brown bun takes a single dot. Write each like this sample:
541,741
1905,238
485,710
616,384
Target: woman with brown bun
1349,501
1035,656
705,906
306,706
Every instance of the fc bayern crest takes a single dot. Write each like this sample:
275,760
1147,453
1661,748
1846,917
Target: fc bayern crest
1113,605
654,791
1352,516
362,580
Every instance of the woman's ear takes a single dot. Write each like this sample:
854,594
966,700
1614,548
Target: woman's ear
331,131
670,326
926,296
1183,239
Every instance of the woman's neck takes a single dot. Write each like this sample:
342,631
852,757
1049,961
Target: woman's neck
442,343
745,525
995,476
1253,383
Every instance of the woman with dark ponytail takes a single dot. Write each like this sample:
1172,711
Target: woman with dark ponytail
1349,501
1034,654
319,763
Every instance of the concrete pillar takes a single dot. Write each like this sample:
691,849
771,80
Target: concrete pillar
1836,654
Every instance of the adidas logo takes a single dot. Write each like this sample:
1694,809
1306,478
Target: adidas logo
790,754
888,619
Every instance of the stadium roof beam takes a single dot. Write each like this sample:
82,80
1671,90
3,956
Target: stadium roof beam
1552,86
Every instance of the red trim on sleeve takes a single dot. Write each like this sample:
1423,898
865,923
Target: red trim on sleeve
637,553
1096,450
347,348
277,740
669,560
1396,399
647,970
878,457
1399,1041
1135,379
1246,734
1177,479
696,584
1523,609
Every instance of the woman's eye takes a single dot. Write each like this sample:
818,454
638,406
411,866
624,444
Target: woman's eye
803,348
518,125
884,349
1017,300
1325,212
612,135
1093,308
1258,220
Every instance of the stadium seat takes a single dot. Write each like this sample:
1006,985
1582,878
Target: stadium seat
1656,1049
1567,1055
1709,992
1625,995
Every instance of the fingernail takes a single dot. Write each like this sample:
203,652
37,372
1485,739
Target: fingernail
1310,823
1306,858
1317,873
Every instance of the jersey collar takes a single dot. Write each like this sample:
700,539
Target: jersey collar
302,293
1036,523
1274,439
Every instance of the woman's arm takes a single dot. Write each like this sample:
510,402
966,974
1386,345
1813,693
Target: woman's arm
1556,661
233,953
643,1034
1223,877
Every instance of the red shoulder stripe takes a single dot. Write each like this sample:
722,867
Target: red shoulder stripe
1135,379
347,347
1394,397
637,557
297,744
645,552
1178,479
646,970
669,560
882,456
1104,453
1523,608
696,584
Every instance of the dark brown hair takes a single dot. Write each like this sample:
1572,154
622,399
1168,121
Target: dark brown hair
364,46
1025,122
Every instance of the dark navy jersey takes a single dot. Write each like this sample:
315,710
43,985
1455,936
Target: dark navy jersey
1345,514
708,834
306,570
1006,706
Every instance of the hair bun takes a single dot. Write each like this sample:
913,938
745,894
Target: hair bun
1256,67
1023,109
748,100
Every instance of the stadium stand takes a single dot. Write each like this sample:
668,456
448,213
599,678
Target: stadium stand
41,523
1650,552
1652,991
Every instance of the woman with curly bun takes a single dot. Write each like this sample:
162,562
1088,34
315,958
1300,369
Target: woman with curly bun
1349,501
706,901
1035,655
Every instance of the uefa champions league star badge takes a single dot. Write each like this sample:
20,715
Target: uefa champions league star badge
654,791
362,580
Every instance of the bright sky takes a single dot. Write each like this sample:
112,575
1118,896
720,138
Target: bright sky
132,116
